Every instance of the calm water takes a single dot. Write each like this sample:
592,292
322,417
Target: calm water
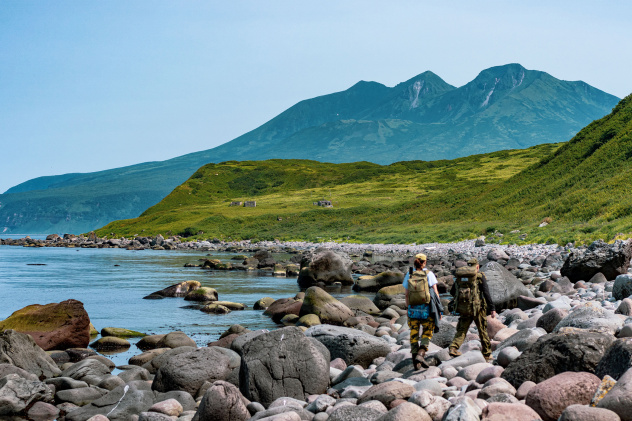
112,282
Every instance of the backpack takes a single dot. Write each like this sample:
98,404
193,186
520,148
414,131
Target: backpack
418,290
468,297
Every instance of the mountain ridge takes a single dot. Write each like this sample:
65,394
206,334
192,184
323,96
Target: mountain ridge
421,118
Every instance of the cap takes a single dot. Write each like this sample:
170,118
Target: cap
472,262
421,257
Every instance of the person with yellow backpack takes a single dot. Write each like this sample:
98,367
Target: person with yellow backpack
471,303
424,308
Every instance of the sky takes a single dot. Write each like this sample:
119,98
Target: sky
88,86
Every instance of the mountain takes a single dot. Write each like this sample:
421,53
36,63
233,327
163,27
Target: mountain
504,107
580,188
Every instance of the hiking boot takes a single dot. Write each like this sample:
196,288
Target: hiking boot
488,358
422,355
454,352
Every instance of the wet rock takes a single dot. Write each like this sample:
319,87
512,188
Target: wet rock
150,342
283,306
52,326
550,397
263,303
109,343
609,259
282,363
121,333
175,340
181,289
353,346
202,294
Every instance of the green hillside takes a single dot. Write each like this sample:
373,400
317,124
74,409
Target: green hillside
581,188
423,118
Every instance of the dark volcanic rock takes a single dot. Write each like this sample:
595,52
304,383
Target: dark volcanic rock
577,350
504,287
52,326
609,259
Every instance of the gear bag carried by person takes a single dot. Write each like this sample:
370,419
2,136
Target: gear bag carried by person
418,290
468,297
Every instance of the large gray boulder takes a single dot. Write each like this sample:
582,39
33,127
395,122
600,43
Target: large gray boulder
555,353
522,340
609,259
326,267
17,393
590,316
352,345
90,371
282,363
20,350
121,404
189,370
381,280
504,287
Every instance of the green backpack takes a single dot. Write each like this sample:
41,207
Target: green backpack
468,297
418,290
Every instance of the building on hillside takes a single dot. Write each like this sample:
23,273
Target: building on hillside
236,203
324,203
250,203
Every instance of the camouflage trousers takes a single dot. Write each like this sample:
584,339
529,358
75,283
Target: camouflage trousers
463,326
427,326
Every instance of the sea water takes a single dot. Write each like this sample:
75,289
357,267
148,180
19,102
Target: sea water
111,284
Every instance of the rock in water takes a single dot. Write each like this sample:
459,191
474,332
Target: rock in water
20,350
327,267
555,353
352,345
282,363
609,259
181,289
317,301
52,326
504,287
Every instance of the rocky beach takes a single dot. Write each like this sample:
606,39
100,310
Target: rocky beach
562,342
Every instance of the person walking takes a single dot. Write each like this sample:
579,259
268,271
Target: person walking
424,308
472,301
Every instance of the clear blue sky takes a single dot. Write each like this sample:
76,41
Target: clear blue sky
87,85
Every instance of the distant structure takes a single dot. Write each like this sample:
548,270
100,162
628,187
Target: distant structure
250,204
324,203
236,203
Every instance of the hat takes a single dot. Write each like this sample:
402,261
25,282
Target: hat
472,262
421,257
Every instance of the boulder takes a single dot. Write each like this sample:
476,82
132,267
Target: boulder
522,339
587,413
393,295
18,393
263,303
20,350
328,309
381,280
282,307
360,302
181,289
551,318
463,408
282,363
625,307
6,369
121,333
203,294
590,316
550,397
163,355
504,287
622,287
352,345
609,259
150,342
496,254
387,392
445,335
89,371
619,398
175,340
354,413
325,266
555,353
110,343
52,326
406,411
189,370
616,360
508,411
42,411
120,404
222,402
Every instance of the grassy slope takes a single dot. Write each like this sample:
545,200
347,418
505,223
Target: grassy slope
582,186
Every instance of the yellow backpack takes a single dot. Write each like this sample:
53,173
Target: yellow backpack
418,290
